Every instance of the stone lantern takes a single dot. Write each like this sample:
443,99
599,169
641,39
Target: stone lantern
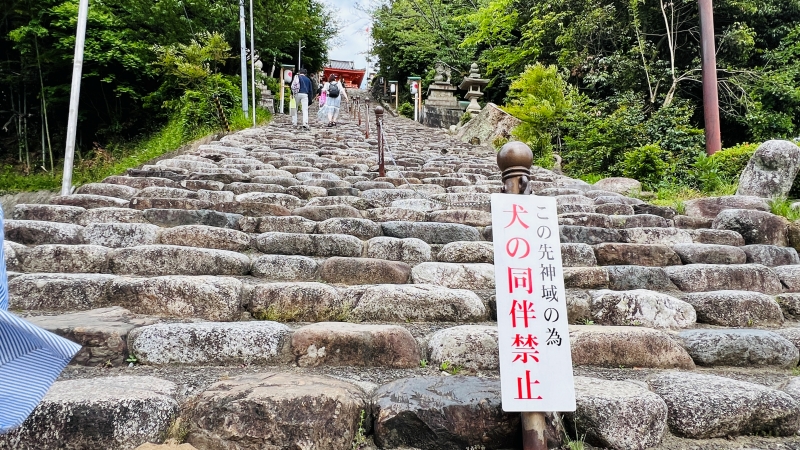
473,84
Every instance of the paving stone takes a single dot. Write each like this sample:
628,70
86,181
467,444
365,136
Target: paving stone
588,235
461,216
710,207
414,303
207,297
694,223
578,255
208,185
385,197
140,182
391,214
718,277
664,236
102,333
322,213
211,343
108,190
585,277
111,215
431,232
756,227
215,196
472,347
612,209
306,192
118,235
252,208
706,406
656,255
467,252
735,308
617,414
440,413
309,244
585,220
89,201
356,202
48,213
66,259
639,221
282,224
176,260
35,232
641,307
419,204
59,292
169,203
287,201
284,268
617,199
771,255
411,251
626,346
176,217
360,228
206,237
454,275
348,344
297,302
284,181
244,188
272,411
739,347
339,270
710,254
666,212
119,412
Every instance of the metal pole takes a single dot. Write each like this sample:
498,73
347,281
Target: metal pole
366,118
710,94
74,97
396,95
252,63
243,51
379,126
515,159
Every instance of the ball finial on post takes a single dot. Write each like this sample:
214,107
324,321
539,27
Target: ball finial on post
515,159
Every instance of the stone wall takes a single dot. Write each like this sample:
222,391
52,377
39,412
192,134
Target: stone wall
438,117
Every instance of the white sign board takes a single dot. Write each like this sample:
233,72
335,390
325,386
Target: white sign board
535,357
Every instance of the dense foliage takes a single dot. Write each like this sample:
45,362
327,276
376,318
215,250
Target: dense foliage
611,85
144,63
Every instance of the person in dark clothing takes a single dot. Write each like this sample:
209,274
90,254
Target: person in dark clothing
302,96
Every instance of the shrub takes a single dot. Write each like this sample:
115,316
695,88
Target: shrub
406,109
646,164
732,161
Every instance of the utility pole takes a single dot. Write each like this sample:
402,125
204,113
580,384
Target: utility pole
252,63
243,51
710,93
74,97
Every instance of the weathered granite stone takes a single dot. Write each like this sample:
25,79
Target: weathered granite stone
626,346
89,201
771,170
140,182
48,213
66,259
108,190
694,223
414,303
617,414
735,308
431,232
578,255
710,254
771,255
118,235
664,236
119,412
710,207
273,411
391,214
176,260
176,217
361,228
739,347
756,227
309,244
348,344
625,278
206,237
639,221
789,276
102,333
585,277
284,268
244,188
666,212
282,224
453,275
467,252
469,346
463,216
411,251
719,277
613,209
706,406
339,270
169,203
59,292
251,208
641,307
654,255
35,232
321,213
438,413
585,220
297,302
14,254
620,185
306,192
790,305
588,235
211,343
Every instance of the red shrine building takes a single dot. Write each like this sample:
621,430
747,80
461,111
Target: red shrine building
348,74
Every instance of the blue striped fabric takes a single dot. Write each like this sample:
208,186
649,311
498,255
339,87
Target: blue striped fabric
30,358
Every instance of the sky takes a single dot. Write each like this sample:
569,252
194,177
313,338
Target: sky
353,40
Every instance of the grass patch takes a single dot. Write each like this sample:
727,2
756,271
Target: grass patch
783,207
117,158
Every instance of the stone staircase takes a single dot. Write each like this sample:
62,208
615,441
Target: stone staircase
271,291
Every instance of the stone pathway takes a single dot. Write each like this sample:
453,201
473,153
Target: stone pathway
270,291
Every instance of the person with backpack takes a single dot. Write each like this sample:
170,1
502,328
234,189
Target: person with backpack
301,89
333,92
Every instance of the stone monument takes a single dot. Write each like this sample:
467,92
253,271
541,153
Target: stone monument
441,107
473,85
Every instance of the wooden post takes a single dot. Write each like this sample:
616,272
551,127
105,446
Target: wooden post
379,127
710,90
515,159
366,117
358,104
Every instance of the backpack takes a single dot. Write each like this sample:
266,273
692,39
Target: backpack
296,85
333,90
